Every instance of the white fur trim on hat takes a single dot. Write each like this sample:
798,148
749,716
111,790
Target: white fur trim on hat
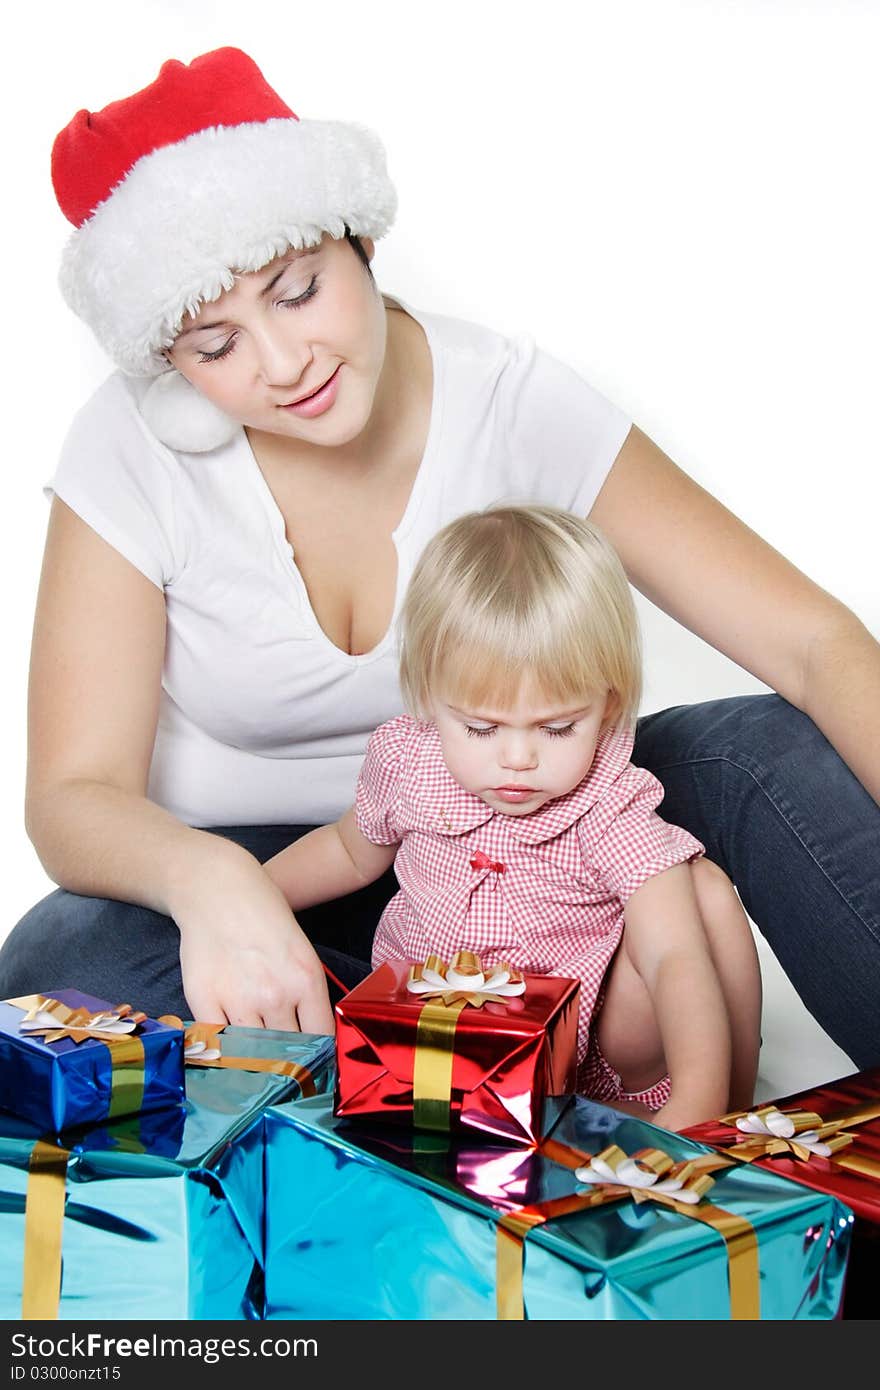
228,198
181,417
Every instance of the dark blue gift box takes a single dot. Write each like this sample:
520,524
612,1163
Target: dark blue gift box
58,1084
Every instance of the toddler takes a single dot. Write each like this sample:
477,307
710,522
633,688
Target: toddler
520,830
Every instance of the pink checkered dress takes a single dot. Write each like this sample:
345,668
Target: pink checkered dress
544,891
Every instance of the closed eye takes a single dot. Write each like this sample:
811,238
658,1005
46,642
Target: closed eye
474,732
297,301
224,351
558,730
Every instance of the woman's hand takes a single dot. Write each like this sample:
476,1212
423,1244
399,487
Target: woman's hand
243,956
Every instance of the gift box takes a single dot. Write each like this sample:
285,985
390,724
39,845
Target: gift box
88,1061
160,1215
608,1218
827,1138
449,1048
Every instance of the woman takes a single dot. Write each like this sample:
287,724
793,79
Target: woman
232,528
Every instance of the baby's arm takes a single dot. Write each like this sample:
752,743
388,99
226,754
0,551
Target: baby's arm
665,941
328,863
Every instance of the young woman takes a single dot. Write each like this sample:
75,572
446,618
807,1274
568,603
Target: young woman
235,515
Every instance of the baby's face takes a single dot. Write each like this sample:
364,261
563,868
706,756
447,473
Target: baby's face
518,758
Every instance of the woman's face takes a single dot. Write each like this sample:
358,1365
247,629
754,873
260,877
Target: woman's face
296,348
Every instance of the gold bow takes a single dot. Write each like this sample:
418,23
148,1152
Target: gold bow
75,1023
464,980
203,1048
649,1175
804,1134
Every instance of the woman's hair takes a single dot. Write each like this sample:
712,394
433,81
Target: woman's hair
514,594
357,247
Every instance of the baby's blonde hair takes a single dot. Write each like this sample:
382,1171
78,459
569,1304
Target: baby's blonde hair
518,594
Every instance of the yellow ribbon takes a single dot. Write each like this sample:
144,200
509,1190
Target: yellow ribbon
127,1064
432,1065
666,1182
43,1225
209,1034
804,1134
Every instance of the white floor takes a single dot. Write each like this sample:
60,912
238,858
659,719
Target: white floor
795,1053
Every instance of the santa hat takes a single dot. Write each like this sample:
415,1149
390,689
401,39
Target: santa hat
203,173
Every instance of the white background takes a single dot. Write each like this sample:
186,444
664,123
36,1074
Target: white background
680,199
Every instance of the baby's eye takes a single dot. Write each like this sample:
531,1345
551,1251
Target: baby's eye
479,731
558,730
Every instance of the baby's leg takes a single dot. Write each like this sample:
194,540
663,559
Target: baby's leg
627,1031
732,948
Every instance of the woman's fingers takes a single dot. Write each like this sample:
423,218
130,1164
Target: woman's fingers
245,958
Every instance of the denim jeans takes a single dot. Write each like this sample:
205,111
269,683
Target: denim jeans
751,777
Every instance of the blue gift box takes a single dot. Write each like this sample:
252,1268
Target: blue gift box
418,1227
58,1084
162,1212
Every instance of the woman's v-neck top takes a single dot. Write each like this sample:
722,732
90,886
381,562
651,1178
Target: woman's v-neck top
262,719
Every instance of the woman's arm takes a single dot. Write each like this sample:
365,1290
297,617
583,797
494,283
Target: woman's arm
95,677
698,562
328,863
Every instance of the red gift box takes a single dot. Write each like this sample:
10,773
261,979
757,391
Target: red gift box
457,1058
834,1147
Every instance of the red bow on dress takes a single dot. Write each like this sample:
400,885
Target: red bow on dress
482,861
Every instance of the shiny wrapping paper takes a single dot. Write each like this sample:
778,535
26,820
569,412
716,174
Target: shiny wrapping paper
503,1061
417,1226
162,1212
851,1172
57,1084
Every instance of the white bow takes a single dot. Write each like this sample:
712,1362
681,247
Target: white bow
778,1125
41,1021
202,1051
497,981
628,1173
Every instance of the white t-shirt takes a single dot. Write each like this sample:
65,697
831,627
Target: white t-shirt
262,719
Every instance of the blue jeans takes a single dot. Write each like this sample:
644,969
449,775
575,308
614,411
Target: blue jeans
751,776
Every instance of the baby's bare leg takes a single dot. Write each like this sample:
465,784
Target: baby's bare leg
627,1028
732,947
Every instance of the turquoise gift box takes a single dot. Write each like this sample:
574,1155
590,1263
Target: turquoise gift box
417,1226
158,1215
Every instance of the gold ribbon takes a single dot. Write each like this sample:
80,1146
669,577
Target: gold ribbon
806,1125
446,990
43,1226
127,1064
464,979
432,1065
209,1034
691,1177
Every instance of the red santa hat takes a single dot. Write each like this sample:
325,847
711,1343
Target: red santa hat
203,173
